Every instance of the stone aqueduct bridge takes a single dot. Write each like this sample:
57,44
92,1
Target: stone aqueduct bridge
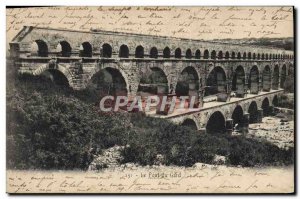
233,83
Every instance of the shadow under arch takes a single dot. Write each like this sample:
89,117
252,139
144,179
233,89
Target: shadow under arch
56,77
86,50
275,78
108,81
237,116
187,81
166,52
190,123
39,48
266,79
275,101
153,53
64,48
283,76
216,82
252,110
152,82
216,123
266,107
106,50
124,51
253,81
238,81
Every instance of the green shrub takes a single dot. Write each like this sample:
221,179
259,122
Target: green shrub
248,152
50,130
53,127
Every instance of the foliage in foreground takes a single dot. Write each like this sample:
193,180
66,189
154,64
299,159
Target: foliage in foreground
48,130
184,147
50,127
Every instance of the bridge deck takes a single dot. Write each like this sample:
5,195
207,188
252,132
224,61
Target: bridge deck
209,105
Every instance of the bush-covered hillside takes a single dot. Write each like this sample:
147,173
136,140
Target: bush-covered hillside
284,43
51,127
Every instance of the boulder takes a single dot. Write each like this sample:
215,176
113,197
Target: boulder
218,159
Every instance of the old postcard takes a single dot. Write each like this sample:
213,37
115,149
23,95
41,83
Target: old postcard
150,100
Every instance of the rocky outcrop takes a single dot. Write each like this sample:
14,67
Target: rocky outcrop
110,157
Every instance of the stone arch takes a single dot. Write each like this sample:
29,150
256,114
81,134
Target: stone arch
108,81
178,53
188,54
63,70
253,112
253,81
64,49
191,123
258,56
213,54
238,81
249,55
275,80
39,48
188,81
154,82
283,76
124,51
85,50
239,55
227,56
237,115
154,53
106,50
245,55
197,54
275,101
166,52
233,55
56,76
290,69
263,56
254,56
220,55
266,56
266,78
139,52
111,66
266,106
216,123
216,81
206,54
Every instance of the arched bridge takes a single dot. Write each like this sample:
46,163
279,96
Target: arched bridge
233,84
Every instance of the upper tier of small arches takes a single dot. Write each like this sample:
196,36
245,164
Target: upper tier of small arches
64,49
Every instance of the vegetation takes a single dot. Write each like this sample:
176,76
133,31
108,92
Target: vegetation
286,101
53,127
183,146
48,127
283,43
